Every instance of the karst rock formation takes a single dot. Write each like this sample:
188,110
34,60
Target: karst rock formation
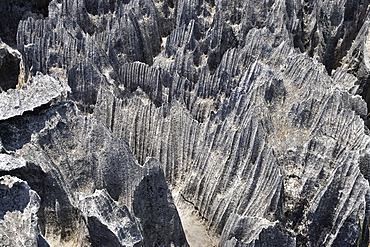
184,123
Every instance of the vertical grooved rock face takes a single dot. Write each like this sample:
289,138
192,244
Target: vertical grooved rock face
177,123
74,154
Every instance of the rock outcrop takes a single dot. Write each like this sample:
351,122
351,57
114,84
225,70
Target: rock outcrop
40,90
13,69
68,154
142,118
18,216
108,223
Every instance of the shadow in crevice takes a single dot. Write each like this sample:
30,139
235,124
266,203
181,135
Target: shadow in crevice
15,198
9,70
100,235
12,11
17,131
56,213
157,215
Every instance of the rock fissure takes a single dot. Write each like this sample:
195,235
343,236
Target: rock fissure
195,207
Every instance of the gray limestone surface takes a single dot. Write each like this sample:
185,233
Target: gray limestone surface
18,213
187,122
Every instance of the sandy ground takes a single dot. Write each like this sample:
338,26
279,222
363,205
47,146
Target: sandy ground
194,226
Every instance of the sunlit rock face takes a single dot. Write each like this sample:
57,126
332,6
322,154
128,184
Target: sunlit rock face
186,123
18,215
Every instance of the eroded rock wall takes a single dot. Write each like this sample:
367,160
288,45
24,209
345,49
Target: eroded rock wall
243,117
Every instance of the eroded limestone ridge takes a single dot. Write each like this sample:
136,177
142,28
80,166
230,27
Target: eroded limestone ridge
40,90
177,123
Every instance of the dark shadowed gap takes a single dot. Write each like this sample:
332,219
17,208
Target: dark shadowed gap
334,47
9,70
17,194
12,11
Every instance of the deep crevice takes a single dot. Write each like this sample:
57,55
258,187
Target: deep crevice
12,11
9,70
307,40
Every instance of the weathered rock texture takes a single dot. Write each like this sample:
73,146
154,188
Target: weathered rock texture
68,153
108,223
18,215
13,69
40,90
246,114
